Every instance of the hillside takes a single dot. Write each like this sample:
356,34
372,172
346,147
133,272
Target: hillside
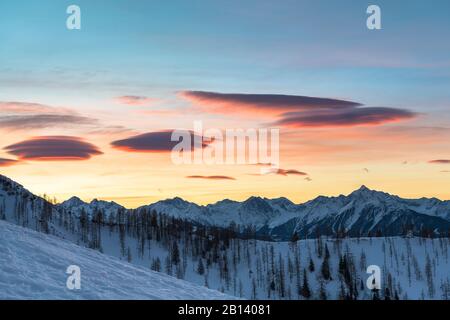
180,244
33,266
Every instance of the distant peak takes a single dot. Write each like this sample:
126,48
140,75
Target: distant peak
74,200
225,201
256,203
178,199
363,191
255,198
175,200
364,188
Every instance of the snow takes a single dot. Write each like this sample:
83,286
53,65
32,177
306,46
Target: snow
106,275
33,266
282,214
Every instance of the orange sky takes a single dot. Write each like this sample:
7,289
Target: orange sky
86,112
392,157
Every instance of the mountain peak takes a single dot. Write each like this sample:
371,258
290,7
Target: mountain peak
256,204
74,201
255,199
177,201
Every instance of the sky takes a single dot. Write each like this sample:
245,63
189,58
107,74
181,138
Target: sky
87,112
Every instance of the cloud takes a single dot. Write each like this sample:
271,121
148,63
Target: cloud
111,130
211,177
263,164
236,102
20,122
159,141
283,172
296,111
348,117
53,148
440,161
26,115
7,162
135,100
16,107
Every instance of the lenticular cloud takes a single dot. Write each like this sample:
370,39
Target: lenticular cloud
53,148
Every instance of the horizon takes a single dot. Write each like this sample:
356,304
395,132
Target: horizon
90,200
88,111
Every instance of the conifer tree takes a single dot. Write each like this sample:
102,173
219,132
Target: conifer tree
311,266
325,269
175,255
200,267
306,292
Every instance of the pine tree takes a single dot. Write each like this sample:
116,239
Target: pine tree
168,265
206,281
387,294
129,257
375,294
306,292
311,266
322,292
200,267
281,277
175,256
254,290
325,269
156,265
429,275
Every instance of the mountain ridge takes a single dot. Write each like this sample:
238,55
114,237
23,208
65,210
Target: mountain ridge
363,212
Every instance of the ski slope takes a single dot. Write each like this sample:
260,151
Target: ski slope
33,266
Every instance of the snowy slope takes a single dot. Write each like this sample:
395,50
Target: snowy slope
33,265
414,268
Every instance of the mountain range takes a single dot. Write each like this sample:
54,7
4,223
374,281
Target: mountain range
361,213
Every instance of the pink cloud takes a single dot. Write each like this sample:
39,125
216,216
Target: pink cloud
135,100
296,111
8,162
53,148
440,161
211,177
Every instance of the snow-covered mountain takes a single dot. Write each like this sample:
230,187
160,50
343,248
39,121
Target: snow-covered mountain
24,208
76,206
150,238
368,212
33,266
364,212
